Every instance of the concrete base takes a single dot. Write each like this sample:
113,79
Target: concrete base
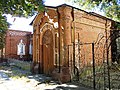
63,76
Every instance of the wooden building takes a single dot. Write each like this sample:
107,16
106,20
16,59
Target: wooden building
18,45
58,29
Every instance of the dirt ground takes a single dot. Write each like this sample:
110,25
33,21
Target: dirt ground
14,78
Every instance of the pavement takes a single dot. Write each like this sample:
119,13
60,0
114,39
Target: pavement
34,82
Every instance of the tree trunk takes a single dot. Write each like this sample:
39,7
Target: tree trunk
2,54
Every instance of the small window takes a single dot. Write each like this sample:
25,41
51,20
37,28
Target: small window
21,48
30,48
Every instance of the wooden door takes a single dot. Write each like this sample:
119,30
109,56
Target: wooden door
48,54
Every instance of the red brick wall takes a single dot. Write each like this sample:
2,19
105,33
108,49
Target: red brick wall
12,40
71,22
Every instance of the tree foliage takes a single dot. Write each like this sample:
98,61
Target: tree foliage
20,7
3,28
111,8
16,8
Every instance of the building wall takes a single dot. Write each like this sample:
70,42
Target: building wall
91,27
13,38
42,23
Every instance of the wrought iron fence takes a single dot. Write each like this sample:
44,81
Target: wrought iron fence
91,64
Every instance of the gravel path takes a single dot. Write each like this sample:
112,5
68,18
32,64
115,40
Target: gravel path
32,82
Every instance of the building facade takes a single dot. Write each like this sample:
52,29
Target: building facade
63,35
18,45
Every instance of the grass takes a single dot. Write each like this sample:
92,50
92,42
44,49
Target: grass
86,76
21,64
14,72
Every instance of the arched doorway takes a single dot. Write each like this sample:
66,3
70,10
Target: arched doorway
48,52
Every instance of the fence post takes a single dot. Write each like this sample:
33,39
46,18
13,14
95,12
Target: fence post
56,59
74,57
79,51
93,56
68,56
108,67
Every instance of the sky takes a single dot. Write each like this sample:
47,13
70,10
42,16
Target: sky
54,2
20,23
23,23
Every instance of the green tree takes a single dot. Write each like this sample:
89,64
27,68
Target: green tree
3,28
111,8
16,8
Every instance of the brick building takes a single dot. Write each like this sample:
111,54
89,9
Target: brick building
58,29
18,45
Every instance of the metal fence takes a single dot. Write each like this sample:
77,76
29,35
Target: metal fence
91,64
